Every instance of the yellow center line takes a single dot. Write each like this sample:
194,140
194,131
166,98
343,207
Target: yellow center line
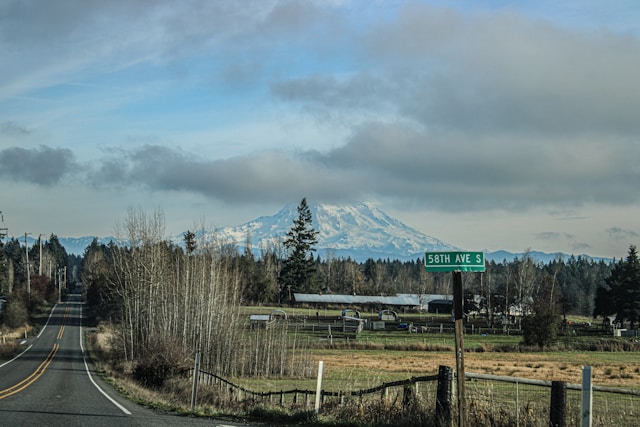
41,368
31,378
64,321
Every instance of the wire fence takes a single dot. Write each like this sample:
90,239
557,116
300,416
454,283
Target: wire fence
490,400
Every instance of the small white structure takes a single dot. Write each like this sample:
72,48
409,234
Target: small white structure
388,315
262,321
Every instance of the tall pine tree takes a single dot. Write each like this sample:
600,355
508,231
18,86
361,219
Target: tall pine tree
621,296
299,270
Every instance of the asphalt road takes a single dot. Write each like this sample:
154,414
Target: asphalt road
53,384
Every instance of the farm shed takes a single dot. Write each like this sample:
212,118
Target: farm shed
430,302
440,306
262,321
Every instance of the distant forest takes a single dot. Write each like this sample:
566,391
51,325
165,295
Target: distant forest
573,281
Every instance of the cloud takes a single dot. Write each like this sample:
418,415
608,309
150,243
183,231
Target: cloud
264,176
13,129
399,162
484,74
67,41
554,235
559,238
619,233
43,165
455,111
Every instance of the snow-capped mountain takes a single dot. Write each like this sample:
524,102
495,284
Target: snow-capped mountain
359,231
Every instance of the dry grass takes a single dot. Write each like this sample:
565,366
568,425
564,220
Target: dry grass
609,369
15,334
9,341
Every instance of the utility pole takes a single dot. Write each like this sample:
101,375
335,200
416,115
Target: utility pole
40,258
59,282
3,230
26,251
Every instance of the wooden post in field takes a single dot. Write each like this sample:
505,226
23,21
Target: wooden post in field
196,375
587,397
558,406
458,316
443,397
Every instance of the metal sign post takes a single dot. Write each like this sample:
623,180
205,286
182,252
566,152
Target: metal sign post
456,263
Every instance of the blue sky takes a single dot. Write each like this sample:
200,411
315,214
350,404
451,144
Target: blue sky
489,125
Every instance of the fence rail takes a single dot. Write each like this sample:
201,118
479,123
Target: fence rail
491,399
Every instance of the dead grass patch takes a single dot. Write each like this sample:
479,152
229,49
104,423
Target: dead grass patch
543,366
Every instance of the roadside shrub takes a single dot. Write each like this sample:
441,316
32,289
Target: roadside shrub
279,415
162,359
8,350
15,313
406,411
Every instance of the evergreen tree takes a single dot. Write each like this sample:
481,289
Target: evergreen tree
621,295
95,275
190,243
55,248
17,272
4,271
298,271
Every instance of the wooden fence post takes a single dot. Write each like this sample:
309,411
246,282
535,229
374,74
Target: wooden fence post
443,396
558,406
196,376
407,397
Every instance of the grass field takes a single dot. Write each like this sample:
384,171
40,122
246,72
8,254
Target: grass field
348,370
389,355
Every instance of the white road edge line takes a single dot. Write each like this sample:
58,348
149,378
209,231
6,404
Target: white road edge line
49,318
9,361
29,348
86,366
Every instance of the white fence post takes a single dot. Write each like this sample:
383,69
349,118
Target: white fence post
587,397
319,386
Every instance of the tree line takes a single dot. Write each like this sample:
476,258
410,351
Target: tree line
186,297
31,277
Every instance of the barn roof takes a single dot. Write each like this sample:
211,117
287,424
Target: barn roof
398,300
260,317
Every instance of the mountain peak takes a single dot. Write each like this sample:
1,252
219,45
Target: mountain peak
357,230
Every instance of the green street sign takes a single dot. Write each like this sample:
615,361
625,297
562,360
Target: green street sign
435,262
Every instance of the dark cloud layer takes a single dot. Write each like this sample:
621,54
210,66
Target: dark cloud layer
395,162
43,165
